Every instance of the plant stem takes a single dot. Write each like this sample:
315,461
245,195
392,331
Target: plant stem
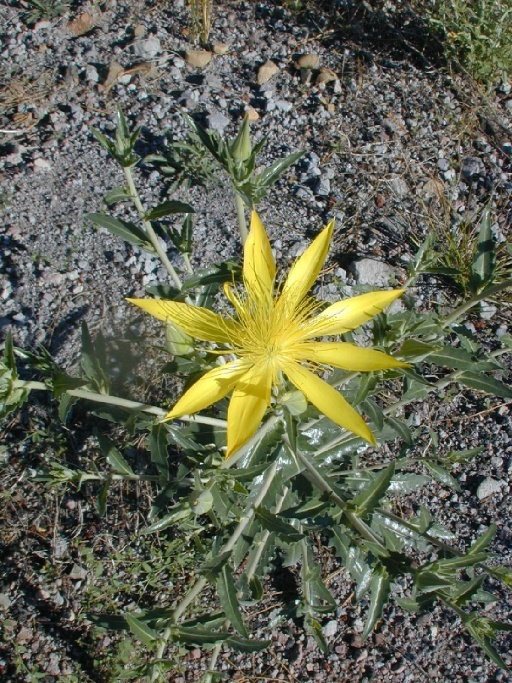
486,294
198,587
121,402
149,229
323,484
240,210
188,265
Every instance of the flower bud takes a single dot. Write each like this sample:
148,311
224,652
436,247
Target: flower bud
241,148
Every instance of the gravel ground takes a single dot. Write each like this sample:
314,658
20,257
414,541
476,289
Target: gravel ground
389,134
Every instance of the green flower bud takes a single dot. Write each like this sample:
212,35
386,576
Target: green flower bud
241,148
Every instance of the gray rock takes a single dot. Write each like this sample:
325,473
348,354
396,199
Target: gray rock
443,164
399,186
488,487
368,271
330,628
148,48
218,121
471,167
323,187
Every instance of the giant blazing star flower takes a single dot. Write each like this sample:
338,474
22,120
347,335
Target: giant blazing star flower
271,337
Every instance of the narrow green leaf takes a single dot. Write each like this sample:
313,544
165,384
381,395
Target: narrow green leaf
105,142
374,412
401,429
485,383
484,264
116,195
180,512
101,500
214,565
368,499
246,644
271,522
93,360
129,232
200,637
168,208
140,630
379,592
440,474
114,457
272,173
503,574
158,441
226,591
413,349
483,541
314,628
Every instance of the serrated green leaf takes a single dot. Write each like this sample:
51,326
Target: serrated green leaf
368,499
116,195
272,173
158,441
168,208
101,500
114,457
400,428
484,264
129,232
226,591
282,529
140,630
246,644
180,512
440,474
374,412
483,541
379,592
485,383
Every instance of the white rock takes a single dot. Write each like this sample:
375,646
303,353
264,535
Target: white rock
42,165
368,271
488,487
330,628
148,48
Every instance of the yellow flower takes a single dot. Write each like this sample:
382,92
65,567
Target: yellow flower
271,336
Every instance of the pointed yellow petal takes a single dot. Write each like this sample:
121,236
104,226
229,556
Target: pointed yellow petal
247,406
349,314
199,322
259,268
305,270
212,386
328,401
347,356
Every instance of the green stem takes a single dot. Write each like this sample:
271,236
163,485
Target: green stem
240,210
486,294
323,484
149,229
121,402
188,265
199,586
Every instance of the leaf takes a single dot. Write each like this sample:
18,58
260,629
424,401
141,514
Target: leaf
379,592
483,541
158,441
200,637
217,274
129,232
503,574
460,359
114,457
246,644
214,565
180,512
314,628
368,499
440,474
271,522
228,600
101,500
401,429
413,349
167,208
141,630
374,412
485,383
93,360
484,264
61,382
272,173
117,194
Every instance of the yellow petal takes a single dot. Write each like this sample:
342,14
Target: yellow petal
259,268
212,386
328,401
347,356
247,406
305,270
349,314
199,322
